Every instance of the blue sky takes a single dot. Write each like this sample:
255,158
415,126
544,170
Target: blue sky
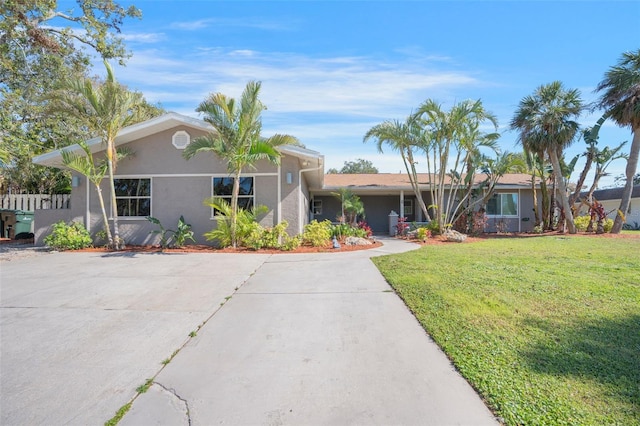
330,70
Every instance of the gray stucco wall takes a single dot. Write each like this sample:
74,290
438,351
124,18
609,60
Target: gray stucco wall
178,187
290,193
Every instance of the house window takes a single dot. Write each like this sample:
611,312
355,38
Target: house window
181,139
133,197
223,187
317,207
504,204
408,206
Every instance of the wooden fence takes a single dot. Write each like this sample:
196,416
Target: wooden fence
31,202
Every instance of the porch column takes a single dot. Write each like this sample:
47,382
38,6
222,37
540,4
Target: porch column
402,204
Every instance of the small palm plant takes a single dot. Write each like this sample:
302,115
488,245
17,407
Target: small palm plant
245,222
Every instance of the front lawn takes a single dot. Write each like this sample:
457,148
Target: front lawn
547,329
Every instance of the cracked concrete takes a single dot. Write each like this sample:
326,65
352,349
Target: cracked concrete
316,339
80,332
170,408
305,339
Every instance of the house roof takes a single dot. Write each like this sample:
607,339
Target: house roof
311,159
612,193
400,181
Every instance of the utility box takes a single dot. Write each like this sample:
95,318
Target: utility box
393,223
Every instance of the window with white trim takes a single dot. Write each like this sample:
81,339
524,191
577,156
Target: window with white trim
317,207
223,188
133,197
181,139
503,204
408,206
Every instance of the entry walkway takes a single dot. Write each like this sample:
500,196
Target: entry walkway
311,339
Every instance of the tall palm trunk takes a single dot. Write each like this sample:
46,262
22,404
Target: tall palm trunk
562,189
118,243
234,209
632,168
536,210
105,218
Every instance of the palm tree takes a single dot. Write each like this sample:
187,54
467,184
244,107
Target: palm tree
621,100
545,121
86,165
106,108
403,137
236,139
454,133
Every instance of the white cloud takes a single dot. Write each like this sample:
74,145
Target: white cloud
143,37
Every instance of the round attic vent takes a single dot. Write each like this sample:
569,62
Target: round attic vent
180,139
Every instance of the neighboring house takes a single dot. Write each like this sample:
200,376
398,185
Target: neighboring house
509,210
157,181
610,199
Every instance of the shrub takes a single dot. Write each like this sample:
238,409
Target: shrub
608,224
423,233
273,238
246,223
317,233
73,236
581,222
179,237
291,243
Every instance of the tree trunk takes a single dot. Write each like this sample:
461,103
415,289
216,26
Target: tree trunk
536,212
632,167
564,201
234,209
118,244
104,216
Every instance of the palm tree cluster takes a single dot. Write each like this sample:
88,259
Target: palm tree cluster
454,149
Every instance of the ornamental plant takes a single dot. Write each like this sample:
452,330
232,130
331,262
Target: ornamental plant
317,234
71,236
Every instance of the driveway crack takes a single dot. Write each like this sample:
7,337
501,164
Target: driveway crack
173,392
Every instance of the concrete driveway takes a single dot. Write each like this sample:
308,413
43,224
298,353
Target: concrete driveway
299,339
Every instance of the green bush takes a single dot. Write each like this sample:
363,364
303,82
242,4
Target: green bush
608,224
246,223
273,238
73,236
317,233
291,243
581,222
422,233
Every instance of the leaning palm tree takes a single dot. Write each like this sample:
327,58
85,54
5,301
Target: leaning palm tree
545,122
106,108
403,137
236,138
621,99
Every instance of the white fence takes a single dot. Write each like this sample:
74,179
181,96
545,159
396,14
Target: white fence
31,202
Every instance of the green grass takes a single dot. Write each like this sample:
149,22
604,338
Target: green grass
547,329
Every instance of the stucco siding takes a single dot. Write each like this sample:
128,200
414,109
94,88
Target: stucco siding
377,211
290,193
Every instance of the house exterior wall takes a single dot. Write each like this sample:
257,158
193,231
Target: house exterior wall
632,216
178,188
377,209
290,193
